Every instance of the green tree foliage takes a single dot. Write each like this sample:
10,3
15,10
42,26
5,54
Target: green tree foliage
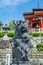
1,34
30,33
39,47
1,23
11,34
12,25
42,34
35,34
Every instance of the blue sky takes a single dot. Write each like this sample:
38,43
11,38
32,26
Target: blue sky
14,9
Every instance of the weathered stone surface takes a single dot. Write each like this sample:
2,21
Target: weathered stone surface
4,44
22,40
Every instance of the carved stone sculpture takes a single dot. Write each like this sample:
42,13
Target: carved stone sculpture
21,42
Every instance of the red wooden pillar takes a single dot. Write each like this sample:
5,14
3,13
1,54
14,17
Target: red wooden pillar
30,23
31,26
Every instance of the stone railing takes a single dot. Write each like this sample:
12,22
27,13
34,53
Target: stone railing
36,30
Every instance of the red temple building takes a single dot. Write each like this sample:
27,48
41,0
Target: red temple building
35,19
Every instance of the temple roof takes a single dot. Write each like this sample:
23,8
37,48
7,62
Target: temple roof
34,13
37,9
31,13
28,13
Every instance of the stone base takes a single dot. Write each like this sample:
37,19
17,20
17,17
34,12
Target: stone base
22,63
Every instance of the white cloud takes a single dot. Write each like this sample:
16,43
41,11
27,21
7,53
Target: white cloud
11,2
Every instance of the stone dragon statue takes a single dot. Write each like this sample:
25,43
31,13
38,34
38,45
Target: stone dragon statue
21,42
